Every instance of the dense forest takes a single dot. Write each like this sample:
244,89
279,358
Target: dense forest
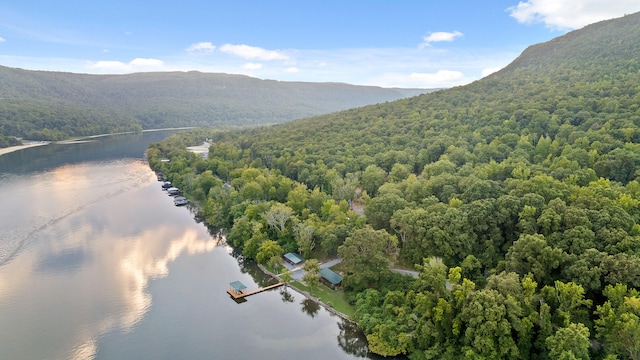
515,197
39,105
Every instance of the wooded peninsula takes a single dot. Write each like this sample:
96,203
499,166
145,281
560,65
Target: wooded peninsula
515,197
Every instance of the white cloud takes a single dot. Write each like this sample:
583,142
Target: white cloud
1,39
140,62
571,14
106,65
137,64
252,66
440,36
438,79
491,70
292,70
202,47
251,52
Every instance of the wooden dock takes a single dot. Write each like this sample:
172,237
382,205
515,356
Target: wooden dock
243,293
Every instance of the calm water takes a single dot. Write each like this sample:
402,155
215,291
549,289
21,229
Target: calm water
97,263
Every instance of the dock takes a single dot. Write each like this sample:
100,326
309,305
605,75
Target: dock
238,290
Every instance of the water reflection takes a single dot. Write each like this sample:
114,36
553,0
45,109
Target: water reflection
310,307
286,295
85,268
94,265
351,339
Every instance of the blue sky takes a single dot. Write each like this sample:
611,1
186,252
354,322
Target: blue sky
390,43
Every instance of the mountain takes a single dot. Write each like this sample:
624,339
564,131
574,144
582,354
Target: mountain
516,198
579,82
39,104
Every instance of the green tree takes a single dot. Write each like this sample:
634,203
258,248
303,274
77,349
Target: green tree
488,332
304,237
311,276
618,322
372,178
277,217
568,343
380,209
532,254
286,276
267,250
366,255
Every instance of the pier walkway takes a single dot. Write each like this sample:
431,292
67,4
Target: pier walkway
238,291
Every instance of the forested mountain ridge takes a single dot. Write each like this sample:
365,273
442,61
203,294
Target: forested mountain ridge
516,197
54,105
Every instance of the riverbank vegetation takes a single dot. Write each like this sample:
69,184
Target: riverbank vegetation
6,141
516,198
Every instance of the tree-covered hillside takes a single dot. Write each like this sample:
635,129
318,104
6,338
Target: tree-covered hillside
54,105
517,198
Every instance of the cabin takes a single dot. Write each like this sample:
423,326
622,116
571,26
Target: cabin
293,258
330,277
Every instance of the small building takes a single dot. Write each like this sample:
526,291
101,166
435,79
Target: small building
330,277
293,258
236,289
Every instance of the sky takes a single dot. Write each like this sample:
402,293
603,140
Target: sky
388,43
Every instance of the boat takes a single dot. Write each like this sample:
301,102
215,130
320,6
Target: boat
180,200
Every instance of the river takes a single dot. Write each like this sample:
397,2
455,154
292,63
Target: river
97,263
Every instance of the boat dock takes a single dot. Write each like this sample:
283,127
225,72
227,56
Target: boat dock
239,291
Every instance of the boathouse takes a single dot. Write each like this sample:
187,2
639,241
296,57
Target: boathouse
237,288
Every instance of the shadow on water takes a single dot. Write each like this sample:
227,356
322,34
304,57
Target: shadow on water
352,340
286,295
310,307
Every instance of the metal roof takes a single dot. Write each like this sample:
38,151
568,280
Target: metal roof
237,286
331,276
294,258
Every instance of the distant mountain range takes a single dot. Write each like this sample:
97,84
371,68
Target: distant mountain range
56,105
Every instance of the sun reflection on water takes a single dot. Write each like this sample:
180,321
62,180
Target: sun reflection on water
97,244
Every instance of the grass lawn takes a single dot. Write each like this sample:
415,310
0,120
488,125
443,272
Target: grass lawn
333,298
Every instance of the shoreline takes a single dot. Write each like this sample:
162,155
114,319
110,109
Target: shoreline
330,309
11,149
28,144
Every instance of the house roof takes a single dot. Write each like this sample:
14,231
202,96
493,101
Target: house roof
237,286
331,276
294,258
